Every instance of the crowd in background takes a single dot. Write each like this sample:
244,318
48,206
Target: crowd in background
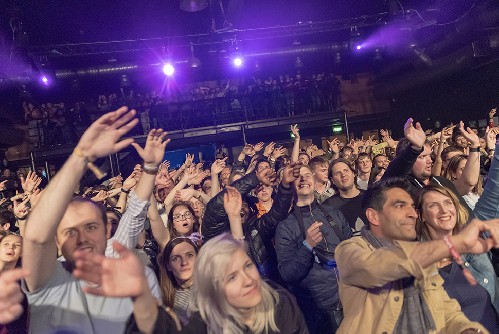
317,240
187,105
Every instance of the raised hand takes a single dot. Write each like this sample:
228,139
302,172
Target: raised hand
334,145
114,277
492,113
21,209
446,133
311,149
490,137
249,150
2,184
154,150
218,166
277,152
102,138
31,182
190,173
269,149
184,195
469,240
100,197
233,201
295,131
415,134
130,181
11,295
267,176
290,173
469,135
258,147
199,177
189,158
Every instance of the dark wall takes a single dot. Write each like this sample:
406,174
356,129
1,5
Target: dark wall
467,96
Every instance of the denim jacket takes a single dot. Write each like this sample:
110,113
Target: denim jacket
482,270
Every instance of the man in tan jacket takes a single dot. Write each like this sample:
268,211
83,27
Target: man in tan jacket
388,282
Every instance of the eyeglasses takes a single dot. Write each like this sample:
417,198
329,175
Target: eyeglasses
186,215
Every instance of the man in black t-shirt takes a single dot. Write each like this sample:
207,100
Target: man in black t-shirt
348,197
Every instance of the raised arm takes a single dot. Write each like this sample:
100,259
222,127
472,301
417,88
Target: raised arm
471,171
437,164
159,230
296,145
102,138
233,203
402,164
361,266
132,222
216,169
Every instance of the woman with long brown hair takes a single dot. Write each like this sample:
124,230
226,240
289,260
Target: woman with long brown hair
176,265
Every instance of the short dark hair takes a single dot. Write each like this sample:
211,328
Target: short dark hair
374,197
360,156
100,207
450,149
319,160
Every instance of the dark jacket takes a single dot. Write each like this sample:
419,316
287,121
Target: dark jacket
288,319
315,287
401,167
258,232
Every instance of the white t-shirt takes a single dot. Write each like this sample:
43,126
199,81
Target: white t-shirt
62,306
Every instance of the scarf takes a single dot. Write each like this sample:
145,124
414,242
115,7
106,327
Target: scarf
415,316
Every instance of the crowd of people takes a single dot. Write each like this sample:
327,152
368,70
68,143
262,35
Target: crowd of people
366,236
186,106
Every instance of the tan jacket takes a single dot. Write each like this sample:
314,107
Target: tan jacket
372,295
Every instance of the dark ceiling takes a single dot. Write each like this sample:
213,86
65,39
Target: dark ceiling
420,41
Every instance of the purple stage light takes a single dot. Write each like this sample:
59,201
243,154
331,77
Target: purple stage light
358,47
238,61
168,69
45,79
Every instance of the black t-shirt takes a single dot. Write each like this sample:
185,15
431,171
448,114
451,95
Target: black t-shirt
351,208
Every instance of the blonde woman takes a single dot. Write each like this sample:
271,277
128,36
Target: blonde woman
228,294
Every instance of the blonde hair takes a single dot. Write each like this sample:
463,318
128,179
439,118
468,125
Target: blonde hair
462,214
208,297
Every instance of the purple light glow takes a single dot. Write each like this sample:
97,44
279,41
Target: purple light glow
238,61
359,47
45,80
168,69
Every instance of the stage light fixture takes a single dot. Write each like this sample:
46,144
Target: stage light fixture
168,69
237,61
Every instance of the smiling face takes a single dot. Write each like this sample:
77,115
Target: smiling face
305,183
242,282
183,221
181,262
81,228
397,219
10,248
438,212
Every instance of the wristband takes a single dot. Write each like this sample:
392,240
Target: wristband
125,191
490,150
305,243
151,170
455,255
474,149
90,165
